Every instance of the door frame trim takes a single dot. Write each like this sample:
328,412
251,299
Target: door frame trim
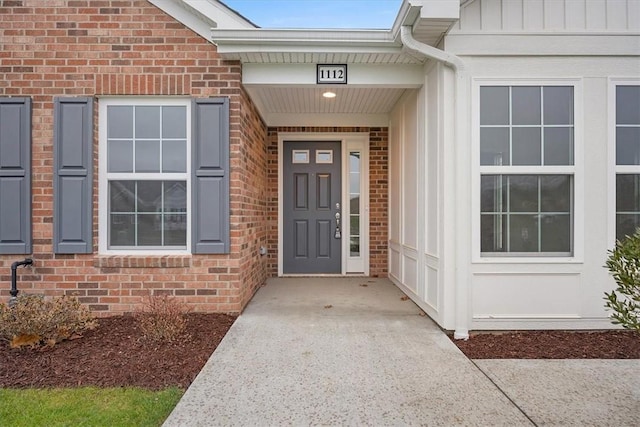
349,141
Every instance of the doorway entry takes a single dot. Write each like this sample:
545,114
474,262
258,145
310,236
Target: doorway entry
323,207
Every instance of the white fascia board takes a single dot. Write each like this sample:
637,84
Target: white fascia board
358,75
321,120
219,13
438,9
537,44
261,40
189,18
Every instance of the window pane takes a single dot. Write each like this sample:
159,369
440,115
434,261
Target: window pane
119,122
628,146
355,225
526,146
122,230
120,156
558,146
175,196
628,105
149,229
555,233
493,233
175,230
174,122
147,122
494,105
558,105
626,225
122,196
628,193
354,183
523,193
354,162
355,205
149,196
526,105
147,156
493,195
174,156
555,193
354,246
523,233
494,146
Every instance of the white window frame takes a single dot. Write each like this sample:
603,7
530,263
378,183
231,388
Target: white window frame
576,170
104,177
614,169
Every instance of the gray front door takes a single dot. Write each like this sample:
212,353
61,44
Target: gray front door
311,200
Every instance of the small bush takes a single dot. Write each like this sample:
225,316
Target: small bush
162,319
35,321
624,263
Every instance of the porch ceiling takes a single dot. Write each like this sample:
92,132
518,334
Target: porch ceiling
310,100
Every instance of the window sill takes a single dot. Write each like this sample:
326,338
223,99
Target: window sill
527,260
149,261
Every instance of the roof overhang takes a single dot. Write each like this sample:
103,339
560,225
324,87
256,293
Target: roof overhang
279,65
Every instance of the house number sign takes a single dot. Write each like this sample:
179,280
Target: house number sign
331,74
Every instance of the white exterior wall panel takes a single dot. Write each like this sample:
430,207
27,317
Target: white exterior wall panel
423,154
553,292
548,15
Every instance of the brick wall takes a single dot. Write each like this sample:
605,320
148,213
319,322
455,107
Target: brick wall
123,48
378,201
378,191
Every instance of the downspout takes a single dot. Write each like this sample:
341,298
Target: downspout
462,185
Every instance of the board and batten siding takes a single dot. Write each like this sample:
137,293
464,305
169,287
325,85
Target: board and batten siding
545,15
580,43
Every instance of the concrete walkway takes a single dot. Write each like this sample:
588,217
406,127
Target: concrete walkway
354,352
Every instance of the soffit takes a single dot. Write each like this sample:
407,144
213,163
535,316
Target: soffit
305,100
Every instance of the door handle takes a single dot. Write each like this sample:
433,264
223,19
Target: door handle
338,233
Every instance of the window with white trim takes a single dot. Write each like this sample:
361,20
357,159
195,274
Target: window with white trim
147,146
527,170
627,134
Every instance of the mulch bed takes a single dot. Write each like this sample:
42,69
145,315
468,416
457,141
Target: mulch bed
615,344
115,354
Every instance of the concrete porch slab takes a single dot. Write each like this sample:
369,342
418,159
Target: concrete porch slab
331,351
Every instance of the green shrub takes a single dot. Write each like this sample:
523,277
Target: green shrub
624,263
34,320
162,319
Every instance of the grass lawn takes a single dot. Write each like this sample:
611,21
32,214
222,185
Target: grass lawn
87,406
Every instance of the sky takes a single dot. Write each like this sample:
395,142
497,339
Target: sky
365,14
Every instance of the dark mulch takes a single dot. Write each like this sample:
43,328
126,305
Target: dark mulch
615,344
114,354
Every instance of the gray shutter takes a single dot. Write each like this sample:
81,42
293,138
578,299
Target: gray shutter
15,176
210,176
73,175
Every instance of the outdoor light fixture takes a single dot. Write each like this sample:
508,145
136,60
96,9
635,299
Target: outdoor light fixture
329,94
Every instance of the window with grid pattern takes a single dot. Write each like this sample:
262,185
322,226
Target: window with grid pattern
147,173
527,170
627,134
